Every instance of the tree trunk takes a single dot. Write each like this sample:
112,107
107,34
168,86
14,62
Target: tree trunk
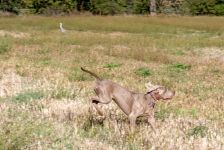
152,7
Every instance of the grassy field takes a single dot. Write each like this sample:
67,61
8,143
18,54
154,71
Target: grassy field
44,101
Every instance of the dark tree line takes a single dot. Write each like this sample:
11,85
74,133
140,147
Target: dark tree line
112,7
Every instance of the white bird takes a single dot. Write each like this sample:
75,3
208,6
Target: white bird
61,28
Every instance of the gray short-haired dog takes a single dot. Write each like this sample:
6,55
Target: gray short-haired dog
131,103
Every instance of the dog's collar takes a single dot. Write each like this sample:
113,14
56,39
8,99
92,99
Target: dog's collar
153,96
150,92
152,103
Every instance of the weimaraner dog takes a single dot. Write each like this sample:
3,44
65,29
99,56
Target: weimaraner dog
131,103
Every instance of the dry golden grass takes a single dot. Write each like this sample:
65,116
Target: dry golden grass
44,95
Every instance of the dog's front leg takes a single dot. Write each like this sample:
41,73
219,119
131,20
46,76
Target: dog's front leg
151,121
132,118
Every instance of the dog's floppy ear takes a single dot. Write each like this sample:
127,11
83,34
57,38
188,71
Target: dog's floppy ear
155,94
150,87
159,92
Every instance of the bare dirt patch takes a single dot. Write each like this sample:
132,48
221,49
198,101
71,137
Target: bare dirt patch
89,144
10,84
24,49
14,34
65,109
98,47
75,46
117,34
103,34
213,54
117,50
121,47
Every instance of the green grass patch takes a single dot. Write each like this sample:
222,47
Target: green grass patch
180,53
144,72
28,96
198,131
179,67
112,65
5,46
44,62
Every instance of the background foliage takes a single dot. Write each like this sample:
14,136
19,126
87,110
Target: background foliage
112,7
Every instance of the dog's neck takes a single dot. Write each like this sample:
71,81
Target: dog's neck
153,101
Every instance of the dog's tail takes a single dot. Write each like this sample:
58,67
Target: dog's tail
91,73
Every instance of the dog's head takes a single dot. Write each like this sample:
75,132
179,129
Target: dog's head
159,92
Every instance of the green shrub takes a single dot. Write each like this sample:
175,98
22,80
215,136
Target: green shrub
10,5
201,7
54,6
143,72
141,6
105,7
112,7
219,9
170,6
